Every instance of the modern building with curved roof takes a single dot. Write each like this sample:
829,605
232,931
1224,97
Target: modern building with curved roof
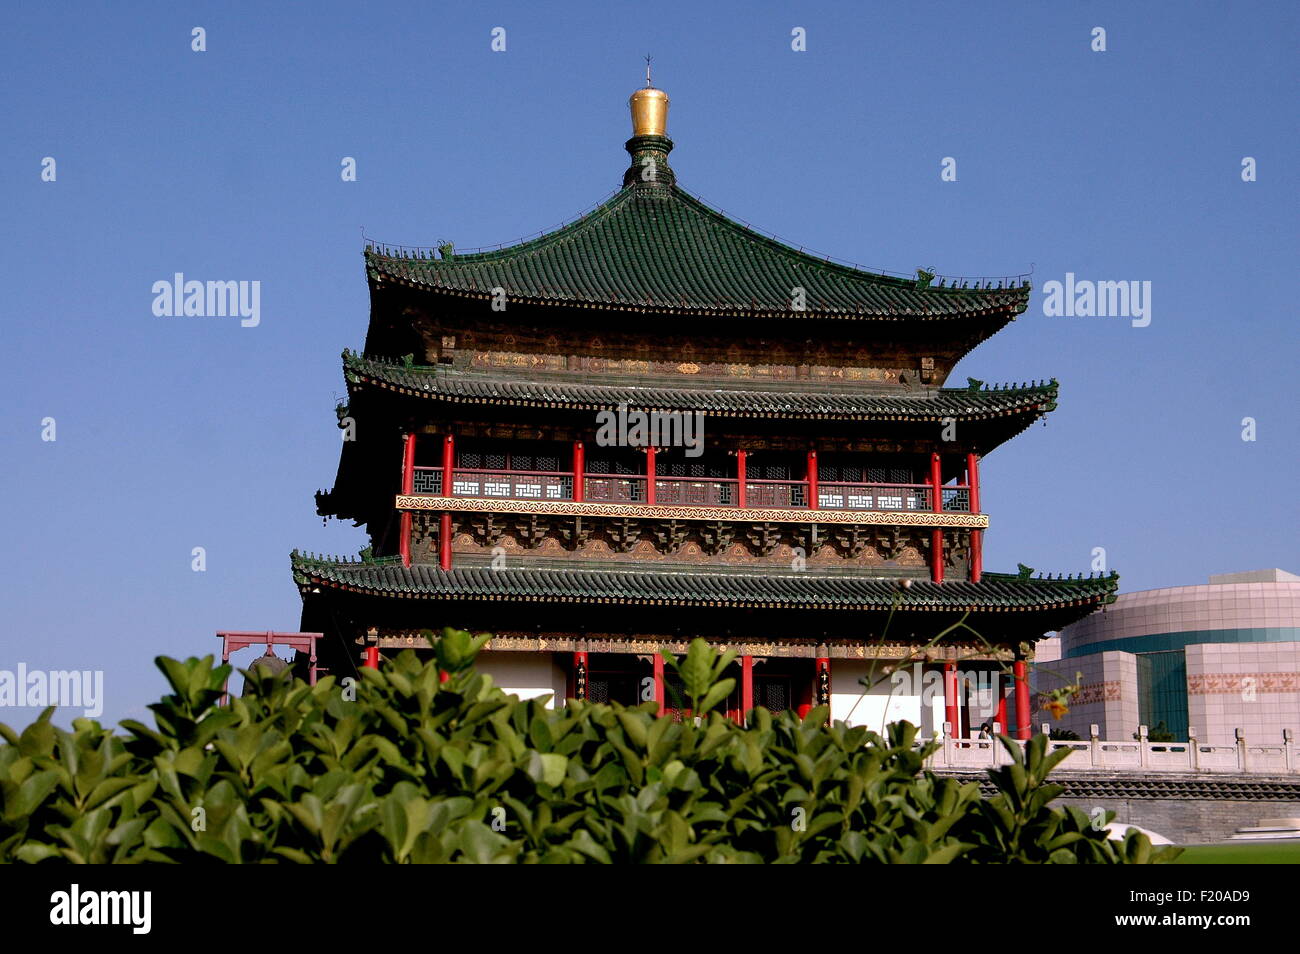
1213,659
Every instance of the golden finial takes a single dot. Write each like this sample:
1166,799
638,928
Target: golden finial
649,108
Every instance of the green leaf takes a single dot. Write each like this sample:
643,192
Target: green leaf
31,794
548,768
417,770
716,694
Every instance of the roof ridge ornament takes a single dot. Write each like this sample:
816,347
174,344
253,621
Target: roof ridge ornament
649,145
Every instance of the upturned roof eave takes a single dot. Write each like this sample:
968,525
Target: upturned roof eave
714,237
1030,402
1004,312
645,586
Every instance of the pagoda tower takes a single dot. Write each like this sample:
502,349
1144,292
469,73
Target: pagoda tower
655,424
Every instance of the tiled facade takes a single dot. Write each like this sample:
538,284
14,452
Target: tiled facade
1108,696
1255,688
1213,658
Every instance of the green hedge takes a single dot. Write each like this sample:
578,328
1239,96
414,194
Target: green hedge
401,767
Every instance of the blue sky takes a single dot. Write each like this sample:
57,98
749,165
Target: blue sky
174,433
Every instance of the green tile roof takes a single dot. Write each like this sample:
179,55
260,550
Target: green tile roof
828,401
659,249
578,582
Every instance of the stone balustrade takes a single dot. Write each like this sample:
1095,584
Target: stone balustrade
1139,755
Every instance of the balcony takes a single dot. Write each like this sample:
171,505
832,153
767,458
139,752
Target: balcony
776,494
614,488
754,495
696,492
502,484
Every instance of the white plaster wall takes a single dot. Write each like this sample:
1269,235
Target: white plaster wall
933,714
526,675
853,703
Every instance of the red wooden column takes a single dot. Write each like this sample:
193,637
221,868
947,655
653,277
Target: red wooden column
659,681
372,657
650,475
812,480
408,485
444,525
951,711
408,464
1023,716
579,465
746,687
976,555
741,465
936,535
976,536
1001,717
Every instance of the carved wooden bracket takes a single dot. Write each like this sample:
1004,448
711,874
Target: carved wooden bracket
577,531
764,537
810,537
533,530
922,542
853,539
623,533
957,548
488,527
891,541
716,536
671,534
424,529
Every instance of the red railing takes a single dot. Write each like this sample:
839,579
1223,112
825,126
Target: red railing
842,496
776,494
428,480
696,491
512,484
956,499
691,491
614,488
